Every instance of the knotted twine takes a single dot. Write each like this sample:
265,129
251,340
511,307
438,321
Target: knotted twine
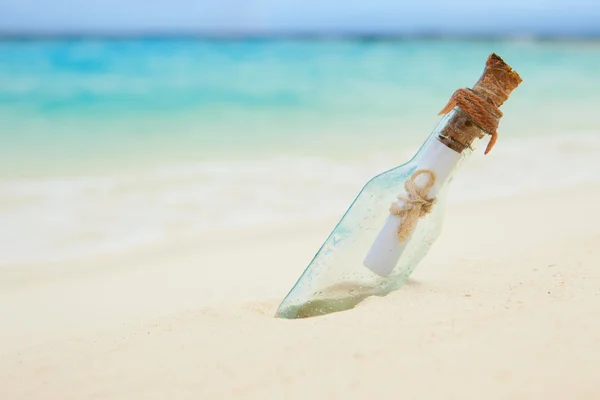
416,205
483,113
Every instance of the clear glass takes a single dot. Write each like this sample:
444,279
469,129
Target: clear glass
336,279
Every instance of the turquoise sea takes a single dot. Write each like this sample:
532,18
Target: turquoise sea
112,144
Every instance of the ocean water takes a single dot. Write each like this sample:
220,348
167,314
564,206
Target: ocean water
112,145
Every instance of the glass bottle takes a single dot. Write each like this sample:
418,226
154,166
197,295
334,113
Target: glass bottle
364,256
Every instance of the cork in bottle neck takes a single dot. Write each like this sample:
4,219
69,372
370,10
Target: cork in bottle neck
494,87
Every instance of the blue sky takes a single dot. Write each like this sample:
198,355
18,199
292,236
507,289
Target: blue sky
514,17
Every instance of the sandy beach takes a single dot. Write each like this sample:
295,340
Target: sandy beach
506,305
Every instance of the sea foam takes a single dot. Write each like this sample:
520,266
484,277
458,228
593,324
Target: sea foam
50,220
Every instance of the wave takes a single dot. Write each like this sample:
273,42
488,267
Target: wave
51,220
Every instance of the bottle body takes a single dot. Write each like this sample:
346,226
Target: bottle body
435,166
363,256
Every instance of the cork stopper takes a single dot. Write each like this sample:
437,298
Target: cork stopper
497,81
492,89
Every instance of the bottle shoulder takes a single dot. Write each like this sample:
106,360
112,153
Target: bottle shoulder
391,176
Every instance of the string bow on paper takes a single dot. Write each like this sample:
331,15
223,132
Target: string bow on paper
416,205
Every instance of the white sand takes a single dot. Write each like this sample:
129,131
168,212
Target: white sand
506,306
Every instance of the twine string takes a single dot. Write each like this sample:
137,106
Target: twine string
483,113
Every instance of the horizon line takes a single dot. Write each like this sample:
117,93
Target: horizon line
15,35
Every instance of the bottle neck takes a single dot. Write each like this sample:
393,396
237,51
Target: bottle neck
459,132
437,157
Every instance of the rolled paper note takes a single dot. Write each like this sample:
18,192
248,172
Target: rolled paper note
388,247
